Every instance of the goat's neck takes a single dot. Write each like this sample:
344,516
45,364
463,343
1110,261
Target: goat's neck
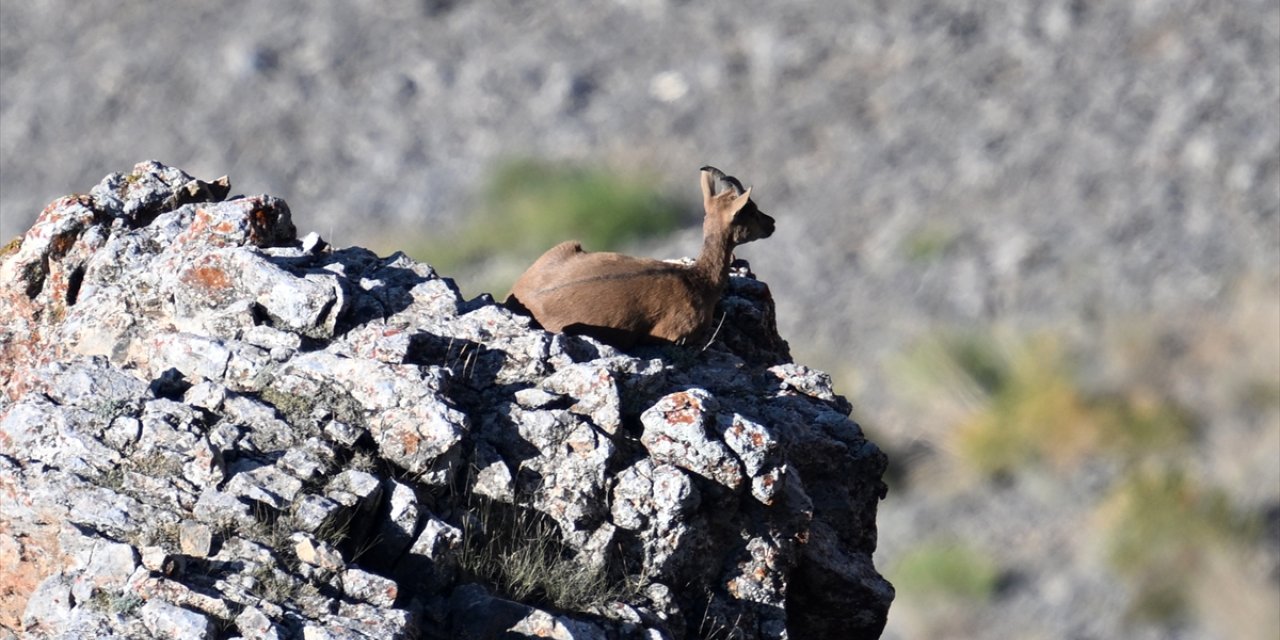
713,262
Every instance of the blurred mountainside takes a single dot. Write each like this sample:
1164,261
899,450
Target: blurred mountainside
1056,157
1059,220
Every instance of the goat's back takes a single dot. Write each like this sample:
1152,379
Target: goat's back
609,295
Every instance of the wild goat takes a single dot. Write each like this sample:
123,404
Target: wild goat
621,299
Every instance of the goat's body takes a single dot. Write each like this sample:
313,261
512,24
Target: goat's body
621,299
628,299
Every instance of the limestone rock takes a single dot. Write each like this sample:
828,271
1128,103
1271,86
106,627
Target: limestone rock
207,424
168,621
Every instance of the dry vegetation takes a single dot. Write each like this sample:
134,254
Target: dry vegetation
1182,417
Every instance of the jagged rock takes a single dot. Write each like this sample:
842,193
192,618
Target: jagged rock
313,513
431,562
310,461
49,606
168,621
317,553
369,587
195,538
493,478
676,432
262,483
396,524
253,624
478,616
207,424
594,388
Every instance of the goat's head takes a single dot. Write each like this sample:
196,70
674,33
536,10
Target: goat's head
729,208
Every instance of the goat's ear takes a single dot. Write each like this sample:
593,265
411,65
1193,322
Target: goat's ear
709,179
740,202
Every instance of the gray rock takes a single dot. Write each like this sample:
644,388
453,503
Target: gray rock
368,587
195,538
314,513
759,452
317,553
356,621
569,470
676,431
493,478
309,462
356,489
594,389
660,502
229,425
253,624
204,465
263,483
168,621
49,606
534,398
94,564
397,523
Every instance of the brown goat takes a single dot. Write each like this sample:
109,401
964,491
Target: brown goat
621,299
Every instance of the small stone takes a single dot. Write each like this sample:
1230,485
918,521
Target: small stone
195,538
364,487
206,395
430,563
95,563
263,483
493,478
368,587
269,337
153,557
535,398
253,624
218,507
165,620
676,432
309,461
423,438
397,523
361,494
313,513
316,553
49,605
123,432
596,392
343,433
313,243
437,539
204,466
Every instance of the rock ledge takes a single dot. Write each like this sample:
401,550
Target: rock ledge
209,428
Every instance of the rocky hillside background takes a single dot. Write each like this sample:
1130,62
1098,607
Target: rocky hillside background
1037,243
211,429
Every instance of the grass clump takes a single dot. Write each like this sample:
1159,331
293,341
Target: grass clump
115,603
11,247
929,243
1017,403
1163,529
946,570
529,206
520,553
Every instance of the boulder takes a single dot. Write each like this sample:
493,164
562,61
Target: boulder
208,424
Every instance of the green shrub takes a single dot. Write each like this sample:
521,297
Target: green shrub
1017,402
1162,529
946,570
529,206
928,243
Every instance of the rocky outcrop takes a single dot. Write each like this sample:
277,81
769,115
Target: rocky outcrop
209,428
